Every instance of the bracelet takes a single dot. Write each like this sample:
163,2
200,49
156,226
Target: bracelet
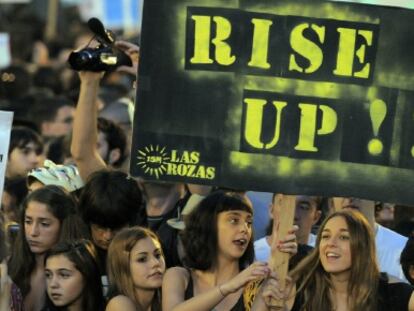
221,292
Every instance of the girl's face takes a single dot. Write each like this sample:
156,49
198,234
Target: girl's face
335,247
147,264
234,232
41,227
64,282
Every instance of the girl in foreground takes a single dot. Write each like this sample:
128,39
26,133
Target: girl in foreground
219,249
342,272
136,267
48,214
72,277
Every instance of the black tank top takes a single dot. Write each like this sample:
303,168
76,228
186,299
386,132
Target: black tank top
189,293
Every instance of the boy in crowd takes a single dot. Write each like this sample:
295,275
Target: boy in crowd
25,152
307,213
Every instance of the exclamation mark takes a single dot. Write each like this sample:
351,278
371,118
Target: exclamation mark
377,112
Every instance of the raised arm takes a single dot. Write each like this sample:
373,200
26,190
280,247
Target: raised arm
173,288
176,281
85,128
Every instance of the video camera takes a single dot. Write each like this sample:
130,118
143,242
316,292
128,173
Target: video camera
105,57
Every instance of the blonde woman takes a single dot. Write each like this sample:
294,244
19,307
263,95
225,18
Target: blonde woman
136,268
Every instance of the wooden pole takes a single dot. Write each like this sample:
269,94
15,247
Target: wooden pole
51,22
283,216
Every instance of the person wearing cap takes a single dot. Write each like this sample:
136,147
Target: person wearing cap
65,176
192,202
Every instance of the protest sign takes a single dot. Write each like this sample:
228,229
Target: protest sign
6,119
310,97
5,55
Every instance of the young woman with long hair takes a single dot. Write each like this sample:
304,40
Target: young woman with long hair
136,267
342,272
72,277
47,215
219,257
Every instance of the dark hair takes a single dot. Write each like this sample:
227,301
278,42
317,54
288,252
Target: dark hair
47,77
15,81
319,201
200,237
21,136
111,199
17,189
83,255
22,261
115,136
47,109
407,259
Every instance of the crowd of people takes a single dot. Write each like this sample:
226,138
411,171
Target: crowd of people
78,233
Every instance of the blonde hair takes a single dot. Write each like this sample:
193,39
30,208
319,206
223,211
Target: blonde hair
315,284
118,264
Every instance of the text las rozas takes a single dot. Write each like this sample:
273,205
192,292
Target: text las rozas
282,46
187,164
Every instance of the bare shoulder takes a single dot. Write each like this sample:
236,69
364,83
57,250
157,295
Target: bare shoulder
121,303
177,275
178,272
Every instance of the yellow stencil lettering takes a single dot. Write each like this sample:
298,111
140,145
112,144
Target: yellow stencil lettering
260,43
202,41
346,52
307,48
254,118
308,121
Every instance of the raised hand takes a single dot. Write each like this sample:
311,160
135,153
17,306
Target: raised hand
273,291
288,244
132,51
257,270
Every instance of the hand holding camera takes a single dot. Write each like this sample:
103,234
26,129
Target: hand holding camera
106,56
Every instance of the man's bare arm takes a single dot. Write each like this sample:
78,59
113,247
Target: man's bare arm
85,126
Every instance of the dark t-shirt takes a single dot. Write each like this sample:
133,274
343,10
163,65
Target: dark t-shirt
393,296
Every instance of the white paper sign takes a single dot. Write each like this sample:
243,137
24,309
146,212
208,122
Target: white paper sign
6,120
5,55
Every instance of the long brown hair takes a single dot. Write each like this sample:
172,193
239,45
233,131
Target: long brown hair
314,283
22,261
118,265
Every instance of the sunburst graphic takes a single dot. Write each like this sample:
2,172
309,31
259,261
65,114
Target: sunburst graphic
153,160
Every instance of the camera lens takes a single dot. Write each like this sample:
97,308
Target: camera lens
80,60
